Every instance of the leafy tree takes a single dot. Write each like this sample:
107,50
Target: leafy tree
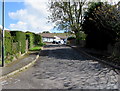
101,25
108,17
45,32
67,15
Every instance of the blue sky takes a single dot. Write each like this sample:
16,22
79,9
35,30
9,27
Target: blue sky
27,16
0,13
12,7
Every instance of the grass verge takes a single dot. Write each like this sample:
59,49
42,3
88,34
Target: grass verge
36,48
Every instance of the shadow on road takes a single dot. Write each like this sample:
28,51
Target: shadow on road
62,52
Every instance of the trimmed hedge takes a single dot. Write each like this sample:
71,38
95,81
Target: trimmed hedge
0,41
33,39
15,43
8,43
37,39
30,37
19,37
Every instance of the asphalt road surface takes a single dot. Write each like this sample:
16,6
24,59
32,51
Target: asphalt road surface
61,67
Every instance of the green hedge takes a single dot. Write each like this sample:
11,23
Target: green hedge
0,41
15,42
30,37
20,38
33,39
37,39
8,43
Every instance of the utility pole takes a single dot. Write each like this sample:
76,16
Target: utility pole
3,33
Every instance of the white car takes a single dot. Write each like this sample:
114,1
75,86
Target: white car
57,40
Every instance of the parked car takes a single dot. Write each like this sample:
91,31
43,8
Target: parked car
58,41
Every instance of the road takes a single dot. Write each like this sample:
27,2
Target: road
61,67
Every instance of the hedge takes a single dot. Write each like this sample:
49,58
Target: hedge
0,41
30,37
15,42
19,37
37,39
8,43
33,39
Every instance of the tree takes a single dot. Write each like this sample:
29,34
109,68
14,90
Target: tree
67,15
108,17
101,24
45,32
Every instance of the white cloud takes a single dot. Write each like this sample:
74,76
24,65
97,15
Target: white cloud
33,17
20,25
18,14
4,28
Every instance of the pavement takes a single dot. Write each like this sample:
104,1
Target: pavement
18,65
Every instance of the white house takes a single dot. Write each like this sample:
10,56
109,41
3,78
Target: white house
50,37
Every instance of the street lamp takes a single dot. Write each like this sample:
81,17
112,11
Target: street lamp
2,33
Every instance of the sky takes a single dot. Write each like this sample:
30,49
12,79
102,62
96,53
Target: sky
27,15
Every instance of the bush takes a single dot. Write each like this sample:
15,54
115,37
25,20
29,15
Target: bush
42,44
19,37
71,38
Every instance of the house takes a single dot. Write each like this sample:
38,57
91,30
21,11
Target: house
50,37
47,37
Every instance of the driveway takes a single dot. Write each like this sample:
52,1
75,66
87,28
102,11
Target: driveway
61,67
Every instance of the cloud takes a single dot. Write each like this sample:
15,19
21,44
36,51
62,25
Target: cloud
20,25
32,18
4,28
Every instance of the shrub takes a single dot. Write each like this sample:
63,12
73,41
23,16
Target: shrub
71,38
42,44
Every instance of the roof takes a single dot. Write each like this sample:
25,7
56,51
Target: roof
51,35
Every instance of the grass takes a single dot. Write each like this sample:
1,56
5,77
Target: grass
36,48
6,61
